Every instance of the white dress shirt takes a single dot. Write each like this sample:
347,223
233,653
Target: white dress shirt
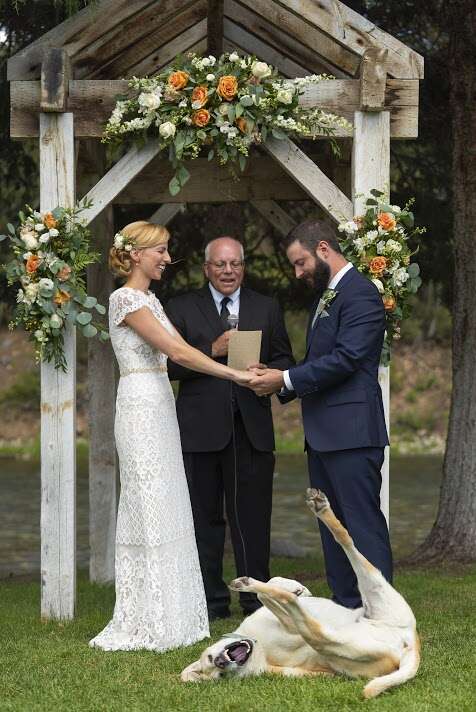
332,285
233,306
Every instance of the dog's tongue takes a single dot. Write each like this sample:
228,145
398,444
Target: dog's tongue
238,653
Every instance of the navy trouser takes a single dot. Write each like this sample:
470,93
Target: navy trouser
351,480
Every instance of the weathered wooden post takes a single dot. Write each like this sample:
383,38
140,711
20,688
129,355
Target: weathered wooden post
58,389
371,169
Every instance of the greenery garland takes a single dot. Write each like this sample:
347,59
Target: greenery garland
377,243
50,254
222,105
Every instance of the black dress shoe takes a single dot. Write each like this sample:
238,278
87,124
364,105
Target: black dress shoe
216,615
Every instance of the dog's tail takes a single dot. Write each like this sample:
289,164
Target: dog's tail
409,665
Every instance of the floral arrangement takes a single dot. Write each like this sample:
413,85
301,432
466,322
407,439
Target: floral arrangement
377,244
222,105
50,253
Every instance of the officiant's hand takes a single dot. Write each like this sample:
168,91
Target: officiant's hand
220,345
266,381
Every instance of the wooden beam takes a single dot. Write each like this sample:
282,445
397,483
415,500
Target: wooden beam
262,179
305,172
283,29
76,34
274,214
371,169
92,102
55,76
118,177
166,213
373,78
215,27
58,401
346,27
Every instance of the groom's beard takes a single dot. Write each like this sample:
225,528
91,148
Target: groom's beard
321,276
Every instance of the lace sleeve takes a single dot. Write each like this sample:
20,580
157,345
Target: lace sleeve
123,302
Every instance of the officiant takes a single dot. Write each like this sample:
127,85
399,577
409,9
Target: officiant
226,430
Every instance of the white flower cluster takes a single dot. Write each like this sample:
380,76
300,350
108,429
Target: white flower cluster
122,242
399,277
302,82
348,227
150,100
201,62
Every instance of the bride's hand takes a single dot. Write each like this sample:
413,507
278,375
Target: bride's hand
242,378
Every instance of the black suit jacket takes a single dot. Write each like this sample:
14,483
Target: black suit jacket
204,406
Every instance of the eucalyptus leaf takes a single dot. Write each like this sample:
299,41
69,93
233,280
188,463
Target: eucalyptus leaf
2,238
174,186
89,331
90,302
413,269
83,318
238,110
242,162
231,113
104,336
182,175
100,309
211,153
376,192
371,201
246,101
11,229
277,133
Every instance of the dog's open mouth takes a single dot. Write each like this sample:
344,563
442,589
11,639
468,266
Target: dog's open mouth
238,652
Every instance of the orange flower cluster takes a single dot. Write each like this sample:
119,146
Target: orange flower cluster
32,264
200,117
178,80
227,87
61,297
386,221
49,221
378,265
200,95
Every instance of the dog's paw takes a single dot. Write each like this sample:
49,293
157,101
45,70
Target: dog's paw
240,584
317,501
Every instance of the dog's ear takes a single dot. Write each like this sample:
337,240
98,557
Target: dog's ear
192,673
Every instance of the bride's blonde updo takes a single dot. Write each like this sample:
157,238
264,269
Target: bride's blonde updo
142,234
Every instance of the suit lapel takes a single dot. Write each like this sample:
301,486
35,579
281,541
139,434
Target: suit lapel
207,307
246,311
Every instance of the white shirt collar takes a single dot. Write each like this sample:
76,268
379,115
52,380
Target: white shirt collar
234,306
338,276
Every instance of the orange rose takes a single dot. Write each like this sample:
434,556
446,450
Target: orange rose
377,265
178,80
227,87
49,220
387,221
61,297
32,263
389,303
200,96
64,273
242,124
200,117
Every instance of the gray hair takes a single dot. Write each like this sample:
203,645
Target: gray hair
207,247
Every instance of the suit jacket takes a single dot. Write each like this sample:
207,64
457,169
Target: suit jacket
337,380
204,403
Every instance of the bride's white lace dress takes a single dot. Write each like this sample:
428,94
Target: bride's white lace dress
160,600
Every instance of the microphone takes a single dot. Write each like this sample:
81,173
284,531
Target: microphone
233,320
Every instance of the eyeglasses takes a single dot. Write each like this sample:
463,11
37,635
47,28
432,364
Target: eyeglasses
235,265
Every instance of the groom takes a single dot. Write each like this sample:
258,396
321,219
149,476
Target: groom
341,399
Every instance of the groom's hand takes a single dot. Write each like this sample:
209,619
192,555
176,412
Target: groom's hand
266,381
220,345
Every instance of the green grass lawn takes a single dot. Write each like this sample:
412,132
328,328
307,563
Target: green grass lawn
48,666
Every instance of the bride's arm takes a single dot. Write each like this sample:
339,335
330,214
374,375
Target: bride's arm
177,349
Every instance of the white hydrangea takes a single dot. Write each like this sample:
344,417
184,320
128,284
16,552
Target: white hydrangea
393,246
360,243
31,292
400,276
381,247
348,227
371,236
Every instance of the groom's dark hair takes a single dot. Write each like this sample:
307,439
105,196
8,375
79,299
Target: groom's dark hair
310,232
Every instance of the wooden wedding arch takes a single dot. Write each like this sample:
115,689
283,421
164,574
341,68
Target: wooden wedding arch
63,88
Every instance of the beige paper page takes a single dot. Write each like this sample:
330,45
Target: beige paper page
244,349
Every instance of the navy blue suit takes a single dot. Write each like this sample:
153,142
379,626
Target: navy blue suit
344,425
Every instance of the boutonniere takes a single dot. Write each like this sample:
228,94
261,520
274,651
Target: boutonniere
326,299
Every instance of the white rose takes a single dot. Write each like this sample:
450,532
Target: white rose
210,77
379,285
56,321
234,57
31,243
44,238
46,283
285,96
53,232
396,209
118,241
205,62
149,100
39,227
211,60
260,70
167,129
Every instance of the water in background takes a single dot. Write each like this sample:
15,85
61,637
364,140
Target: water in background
414,488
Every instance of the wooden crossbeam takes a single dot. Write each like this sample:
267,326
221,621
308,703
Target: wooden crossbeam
55,76
310,177
92,102
166,213
373,78
118,177
274,214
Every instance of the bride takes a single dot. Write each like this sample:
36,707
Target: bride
160,600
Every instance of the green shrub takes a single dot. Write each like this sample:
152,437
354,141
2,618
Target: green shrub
24,393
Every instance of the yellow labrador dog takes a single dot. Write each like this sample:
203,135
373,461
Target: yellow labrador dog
297,634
